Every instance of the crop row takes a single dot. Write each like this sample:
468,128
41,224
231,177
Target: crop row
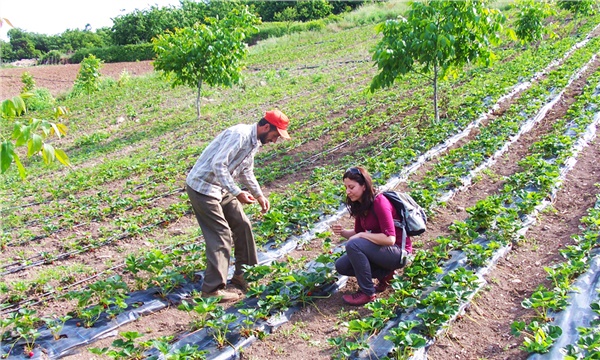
288,285
310,194
293,203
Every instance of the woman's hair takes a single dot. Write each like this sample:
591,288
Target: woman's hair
361,176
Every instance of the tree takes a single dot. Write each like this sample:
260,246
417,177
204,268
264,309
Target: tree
210,53
435,39
579,7
30,134
88,78
22,44
530,21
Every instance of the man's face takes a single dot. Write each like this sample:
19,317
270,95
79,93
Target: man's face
269,137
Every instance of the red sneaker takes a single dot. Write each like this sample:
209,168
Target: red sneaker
383,284
358,298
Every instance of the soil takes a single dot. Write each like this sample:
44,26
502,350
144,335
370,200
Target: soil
58,79
482,332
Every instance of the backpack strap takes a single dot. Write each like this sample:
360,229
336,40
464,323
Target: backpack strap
403,238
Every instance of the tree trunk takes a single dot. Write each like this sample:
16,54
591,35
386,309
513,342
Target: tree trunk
198,98
435,94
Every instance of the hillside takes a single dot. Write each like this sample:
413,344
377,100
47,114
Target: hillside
123,202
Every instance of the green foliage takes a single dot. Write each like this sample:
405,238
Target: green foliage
117,53
23,46
125,348
88,78
435,38
30,134
210,53
52,57
28,82
405,341
530,26
304,10
40,99
579,7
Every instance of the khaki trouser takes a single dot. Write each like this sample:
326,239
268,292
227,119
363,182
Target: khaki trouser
224,224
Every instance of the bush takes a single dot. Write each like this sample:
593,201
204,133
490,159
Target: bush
52,57
111,54
42,99
277,29
28,82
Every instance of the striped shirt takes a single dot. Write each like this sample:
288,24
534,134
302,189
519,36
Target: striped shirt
229,157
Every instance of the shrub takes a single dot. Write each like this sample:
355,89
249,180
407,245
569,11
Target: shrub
28,82
52,57
42,99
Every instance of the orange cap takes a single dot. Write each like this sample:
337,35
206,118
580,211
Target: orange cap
280,121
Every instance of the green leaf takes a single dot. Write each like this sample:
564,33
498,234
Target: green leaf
7,152
20,167
48,153
35,144
62,157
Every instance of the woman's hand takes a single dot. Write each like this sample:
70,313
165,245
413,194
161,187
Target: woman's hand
337,229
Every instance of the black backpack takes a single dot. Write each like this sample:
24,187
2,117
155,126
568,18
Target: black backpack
413,218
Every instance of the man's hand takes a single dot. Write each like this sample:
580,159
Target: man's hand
246,198
264,203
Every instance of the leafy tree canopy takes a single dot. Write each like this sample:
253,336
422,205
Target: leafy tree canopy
210,53
436,38
436,35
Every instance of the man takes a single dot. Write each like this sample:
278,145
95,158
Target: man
217,200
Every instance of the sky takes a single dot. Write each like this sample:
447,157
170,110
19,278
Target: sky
53,17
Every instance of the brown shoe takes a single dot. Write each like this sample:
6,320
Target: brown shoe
240,282
223,295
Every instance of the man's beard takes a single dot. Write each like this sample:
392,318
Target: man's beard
263,137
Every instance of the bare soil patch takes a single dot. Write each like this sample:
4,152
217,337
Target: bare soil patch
60,78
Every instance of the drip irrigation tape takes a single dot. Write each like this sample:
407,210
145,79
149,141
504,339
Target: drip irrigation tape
145,302
578,313
380,347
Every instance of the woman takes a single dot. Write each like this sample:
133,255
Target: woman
374,246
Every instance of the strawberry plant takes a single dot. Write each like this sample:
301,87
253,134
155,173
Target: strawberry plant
539,337
588,344
219,326
55,324
186,352
25,325
125,348
542,301
405,340
250,317
200,311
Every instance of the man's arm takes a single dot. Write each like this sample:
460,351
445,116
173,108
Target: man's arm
230,146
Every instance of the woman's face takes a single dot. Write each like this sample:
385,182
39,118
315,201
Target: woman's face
354,190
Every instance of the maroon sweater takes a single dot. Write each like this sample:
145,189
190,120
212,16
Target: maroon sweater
380,219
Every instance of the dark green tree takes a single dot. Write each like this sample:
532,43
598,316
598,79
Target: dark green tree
435,39
579,7
22,44
210,53
6,52
306,9
530,26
